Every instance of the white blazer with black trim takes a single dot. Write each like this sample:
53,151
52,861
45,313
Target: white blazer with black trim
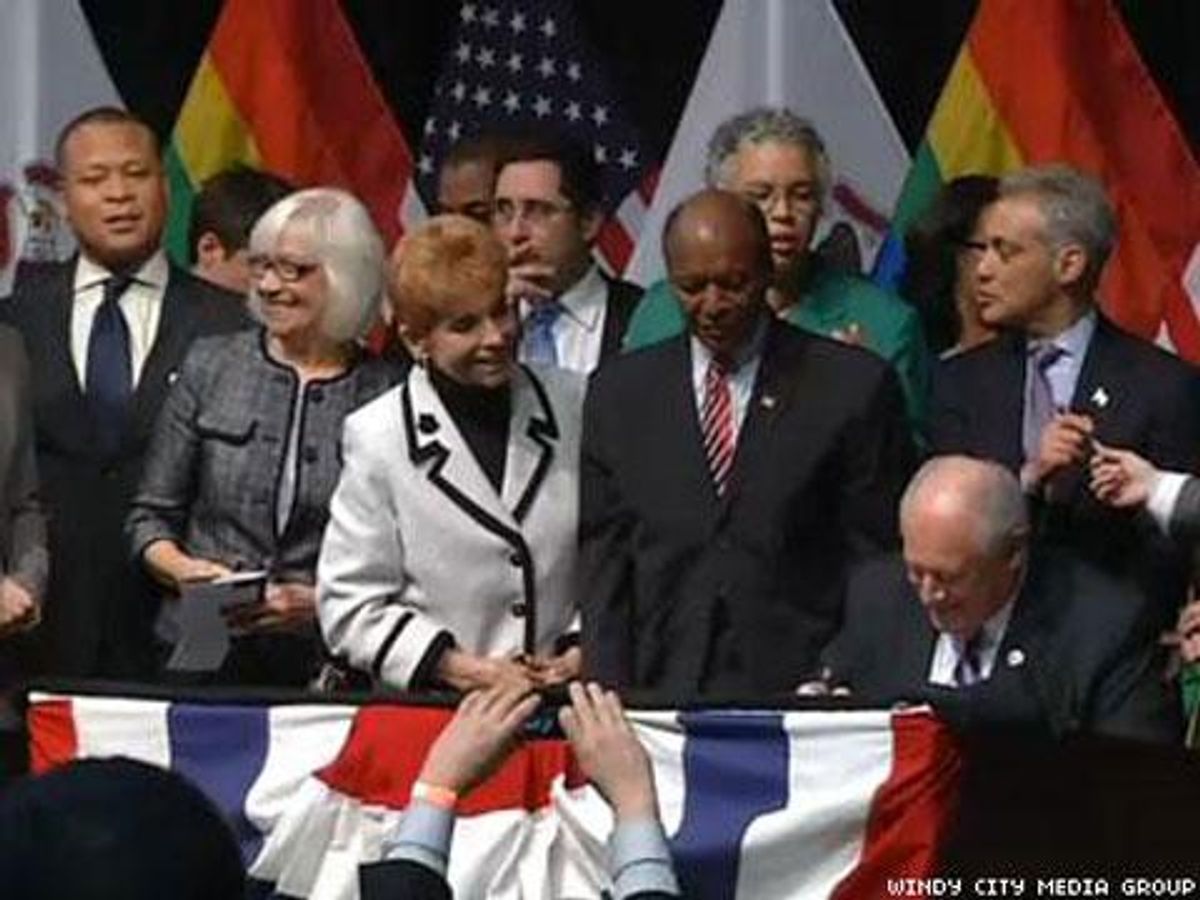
419,547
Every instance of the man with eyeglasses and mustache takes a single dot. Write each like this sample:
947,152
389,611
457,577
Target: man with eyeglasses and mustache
548,212
105,332
777,160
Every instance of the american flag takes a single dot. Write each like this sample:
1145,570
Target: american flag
527,63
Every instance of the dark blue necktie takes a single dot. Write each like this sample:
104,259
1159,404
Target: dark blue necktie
109,367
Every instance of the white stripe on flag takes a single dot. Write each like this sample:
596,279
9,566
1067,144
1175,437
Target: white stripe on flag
113,726
664,741
838,761
632,214
50,71
302,740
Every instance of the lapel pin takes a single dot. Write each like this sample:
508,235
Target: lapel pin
1100,397
172,377
767,401
427,424
1015,658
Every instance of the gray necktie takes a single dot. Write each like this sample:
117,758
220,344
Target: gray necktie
1039,397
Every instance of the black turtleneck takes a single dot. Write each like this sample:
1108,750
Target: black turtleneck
481,414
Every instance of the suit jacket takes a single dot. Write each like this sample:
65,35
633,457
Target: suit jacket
682,590
23,555
1078,655
98,611
422,552
211,478
1139,397
404,879
1184,523
22,521
623,298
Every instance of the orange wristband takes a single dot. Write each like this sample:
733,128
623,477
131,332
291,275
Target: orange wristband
442,798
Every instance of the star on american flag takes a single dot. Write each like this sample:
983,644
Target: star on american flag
527,63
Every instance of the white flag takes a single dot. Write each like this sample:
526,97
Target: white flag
799,55
50,70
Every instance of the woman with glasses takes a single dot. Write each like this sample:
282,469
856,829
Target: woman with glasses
449,560
245,456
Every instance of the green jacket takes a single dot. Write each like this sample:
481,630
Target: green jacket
832,302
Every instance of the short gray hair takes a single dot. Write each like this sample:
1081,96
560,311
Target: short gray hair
1074,205
766,124
987,489
344,242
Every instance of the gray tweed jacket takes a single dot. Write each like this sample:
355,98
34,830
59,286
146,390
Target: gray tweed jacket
214,468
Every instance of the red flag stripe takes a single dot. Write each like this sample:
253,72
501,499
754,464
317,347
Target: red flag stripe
911,812
387,747
52,737
298,79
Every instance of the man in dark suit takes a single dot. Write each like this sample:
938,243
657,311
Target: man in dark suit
105,332
1064,376
548,211
992,632
23,558
730,476
476,741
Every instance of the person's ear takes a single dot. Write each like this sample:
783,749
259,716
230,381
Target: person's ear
209,250
1070,264
414,345
590,223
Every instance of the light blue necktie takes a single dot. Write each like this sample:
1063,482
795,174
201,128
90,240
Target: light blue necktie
539,333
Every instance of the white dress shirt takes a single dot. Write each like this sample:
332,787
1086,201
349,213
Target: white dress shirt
946,650
141,304
579,330
1164,494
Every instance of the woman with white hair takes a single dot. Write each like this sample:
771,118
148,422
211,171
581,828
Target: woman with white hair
245,455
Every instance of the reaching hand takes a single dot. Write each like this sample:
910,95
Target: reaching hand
479,737
554,670
1188,631
608,751
19,611
465,671
287,606
1066,440
1121,478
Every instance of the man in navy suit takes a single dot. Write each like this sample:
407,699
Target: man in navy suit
1063,376
105,332
994,632
730,476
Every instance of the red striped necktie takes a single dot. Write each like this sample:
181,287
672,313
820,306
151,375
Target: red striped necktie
717,424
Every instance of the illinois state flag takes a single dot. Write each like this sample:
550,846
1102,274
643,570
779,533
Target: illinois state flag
757,804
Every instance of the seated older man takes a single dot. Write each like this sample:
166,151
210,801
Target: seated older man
992,631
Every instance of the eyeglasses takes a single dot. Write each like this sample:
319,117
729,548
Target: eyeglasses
798,199
288,271
535,212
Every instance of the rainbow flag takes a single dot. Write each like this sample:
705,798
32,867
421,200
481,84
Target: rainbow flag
283,85
1061,80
